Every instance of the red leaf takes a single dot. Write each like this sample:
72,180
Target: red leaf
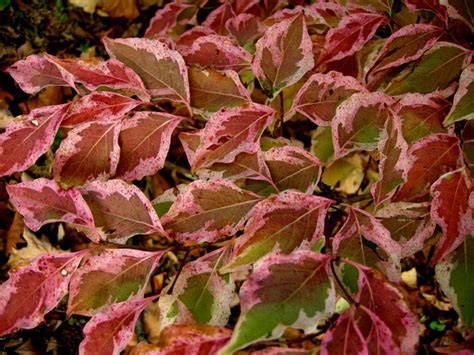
121,210
321,94
166,18
216,19
42,201
230,132
218,52
352,33
190,36
99,106
245,28
36,72
103,74
144,141
110,276
109,331
283,55
24,142
430,5
451,210
428,159
35,290
89,152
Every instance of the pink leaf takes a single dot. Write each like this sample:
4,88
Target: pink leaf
451,210
36,72
110,276
207,211
428,159
25,141
283,55
109,331
352,33
463,100
212,90
187,339
406,45
121,210
35,290
459,10
216,52
216,19
99,106
245,28
409,224
283,223
166,18
359,122
89,152
421,115
230,132
350,242
392,165
283,291
42,201
144,141
430,5
162,70
293,168
190,36
321,94
103,74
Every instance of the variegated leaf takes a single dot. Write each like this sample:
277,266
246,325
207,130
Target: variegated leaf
281,223
25,141
89,152
245,28
217,19
110,276
121,210
463,105
144,143
162,70
283,291
168,17
207,211
321,94
283,55
35,290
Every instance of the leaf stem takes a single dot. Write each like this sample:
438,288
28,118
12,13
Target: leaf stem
340,284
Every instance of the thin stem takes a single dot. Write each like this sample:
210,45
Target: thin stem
339,282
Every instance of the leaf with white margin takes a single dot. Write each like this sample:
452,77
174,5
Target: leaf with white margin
110,276
362,238
293,168
463,105
110,74
24,142
121,210
321,94
409,224
207,211
452,209
200,295
162,70
196,339
359,122
36,72
283,291
212,90
35,290
460,10
216,52
393,164
109,331
144,143
421,115
217,19
230,132
42,201
89,152
455,274
352,33
428,159
99,106
245,28
283,55
281,223
443,64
